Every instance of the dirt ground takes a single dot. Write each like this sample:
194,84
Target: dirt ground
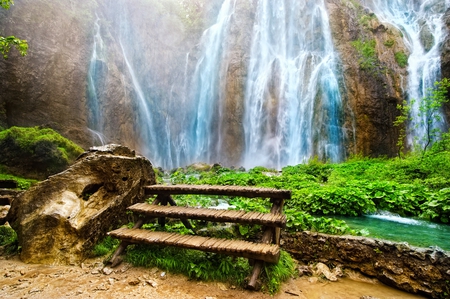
91,280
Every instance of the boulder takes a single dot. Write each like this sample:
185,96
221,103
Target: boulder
59,220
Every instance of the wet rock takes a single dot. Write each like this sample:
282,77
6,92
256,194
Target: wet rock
59,220
322,269
304,270
415,270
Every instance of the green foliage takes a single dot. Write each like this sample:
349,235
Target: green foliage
209,266
6,43
429,108
400,121
8,239
276,274
401,58
105,246
438,208
193,263
22,183
6,3
368,56
302,221
37,150
389,43
7,235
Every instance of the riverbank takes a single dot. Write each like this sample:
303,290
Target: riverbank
20,280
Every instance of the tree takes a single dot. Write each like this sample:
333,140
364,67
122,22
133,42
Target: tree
429,108
429,111
6,43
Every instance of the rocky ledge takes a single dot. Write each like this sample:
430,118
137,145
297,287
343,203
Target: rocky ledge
424,271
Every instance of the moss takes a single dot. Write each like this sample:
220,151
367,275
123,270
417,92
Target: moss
389,43
40,150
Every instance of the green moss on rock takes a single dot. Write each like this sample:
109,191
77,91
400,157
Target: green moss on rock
35,151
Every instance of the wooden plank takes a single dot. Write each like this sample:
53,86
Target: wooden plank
264,252
242,217
250,192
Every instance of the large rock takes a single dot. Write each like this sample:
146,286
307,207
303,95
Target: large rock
422,271
59,220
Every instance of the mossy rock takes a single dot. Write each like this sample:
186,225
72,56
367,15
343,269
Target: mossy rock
36,152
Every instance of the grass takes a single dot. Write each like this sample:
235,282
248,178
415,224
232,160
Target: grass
210,266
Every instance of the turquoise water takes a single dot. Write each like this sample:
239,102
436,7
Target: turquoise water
399,229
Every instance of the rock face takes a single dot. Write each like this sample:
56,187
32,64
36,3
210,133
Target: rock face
373,88
415,270
59,220
48,86
159,42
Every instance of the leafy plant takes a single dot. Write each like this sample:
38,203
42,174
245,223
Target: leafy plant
401,58
389,43
105,246
6,43
366,50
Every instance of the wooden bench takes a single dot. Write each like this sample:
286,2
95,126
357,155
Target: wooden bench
267,250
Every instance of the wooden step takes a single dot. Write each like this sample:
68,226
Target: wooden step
265,252
250,192
214,215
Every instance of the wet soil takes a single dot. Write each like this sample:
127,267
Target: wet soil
91,280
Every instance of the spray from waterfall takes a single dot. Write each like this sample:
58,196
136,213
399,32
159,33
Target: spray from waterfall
207,93
96,65
422,27
292,101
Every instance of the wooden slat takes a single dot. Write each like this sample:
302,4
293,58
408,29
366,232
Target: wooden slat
250,192
242,217
265,252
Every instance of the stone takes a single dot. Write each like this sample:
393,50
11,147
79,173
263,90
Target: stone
322,269
151,283
107,271
59,220
396,264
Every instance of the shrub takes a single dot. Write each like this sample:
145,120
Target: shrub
401,58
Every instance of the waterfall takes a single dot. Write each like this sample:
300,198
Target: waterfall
150,113
422,26
292,100
207,87
95,73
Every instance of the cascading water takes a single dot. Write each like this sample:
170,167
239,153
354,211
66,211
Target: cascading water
207,92
96,68
422,26
292,101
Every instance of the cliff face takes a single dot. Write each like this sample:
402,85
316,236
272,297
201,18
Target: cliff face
47,87
51,86
372,84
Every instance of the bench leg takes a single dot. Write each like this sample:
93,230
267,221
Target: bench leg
115,260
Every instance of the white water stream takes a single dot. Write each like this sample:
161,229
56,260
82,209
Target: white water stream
422,26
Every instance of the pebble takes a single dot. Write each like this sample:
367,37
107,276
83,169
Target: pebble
134,282
151,283
107,271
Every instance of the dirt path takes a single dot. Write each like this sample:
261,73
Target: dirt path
19,280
